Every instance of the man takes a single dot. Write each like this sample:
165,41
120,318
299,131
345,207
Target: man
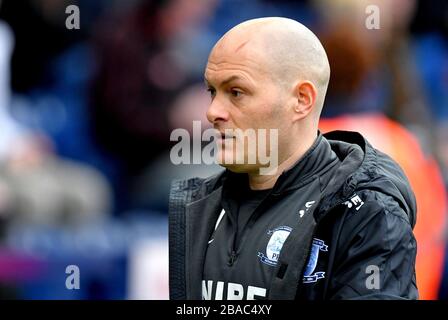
334,218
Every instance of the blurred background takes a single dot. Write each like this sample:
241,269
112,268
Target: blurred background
86,116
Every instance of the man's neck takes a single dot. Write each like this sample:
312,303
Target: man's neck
267,181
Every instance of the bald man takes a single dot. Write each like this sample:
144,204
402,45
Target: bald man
333,218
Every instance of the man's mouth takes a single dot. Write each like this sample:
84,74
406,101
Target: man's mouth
223,135
226,136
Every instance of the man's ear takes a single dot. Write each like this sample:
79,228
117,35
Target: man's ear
306,94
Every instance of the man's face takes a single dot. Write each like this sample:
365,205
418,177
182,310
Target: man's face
243,96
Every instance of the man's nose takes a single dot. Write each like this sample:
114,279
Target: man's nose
217,112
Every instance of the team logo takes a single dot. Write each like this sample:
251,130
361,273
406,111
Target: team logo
309,277
275,244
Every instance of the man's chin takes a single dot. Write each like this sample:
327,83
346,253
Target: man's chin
240,168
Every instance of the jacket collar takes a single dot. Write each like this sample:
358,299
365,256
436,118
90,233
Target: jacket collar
317,160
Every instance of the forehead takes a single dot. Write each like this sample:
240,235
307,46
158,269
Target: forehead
237,57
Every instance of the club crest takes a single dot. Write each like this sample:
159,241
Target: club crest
275,244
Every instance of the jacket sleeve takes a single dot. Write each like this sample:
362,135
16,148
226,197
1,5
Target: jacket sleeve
376,251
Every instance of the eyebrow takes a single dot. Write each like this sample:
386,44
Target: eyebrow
230,79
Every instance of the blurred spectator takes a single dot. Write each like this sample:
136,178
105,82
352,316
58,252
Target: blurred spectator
152,188
375,80
423,174
40,35
380,63
403,74
35,185
142,66
139,76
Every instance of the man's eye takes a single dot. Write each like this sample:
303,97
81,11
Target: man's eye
212,91
235,93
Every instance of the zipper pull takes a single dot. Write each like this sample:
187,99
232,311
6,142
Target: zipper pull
232,258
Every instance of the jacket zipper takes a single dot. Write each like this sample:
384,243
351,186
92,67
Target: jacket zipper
232,258
235,245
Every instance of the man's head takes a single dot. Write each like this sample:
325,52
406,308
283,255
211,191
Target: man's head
267,73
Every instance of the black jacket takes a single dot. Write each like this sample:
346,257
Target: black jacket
364,213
